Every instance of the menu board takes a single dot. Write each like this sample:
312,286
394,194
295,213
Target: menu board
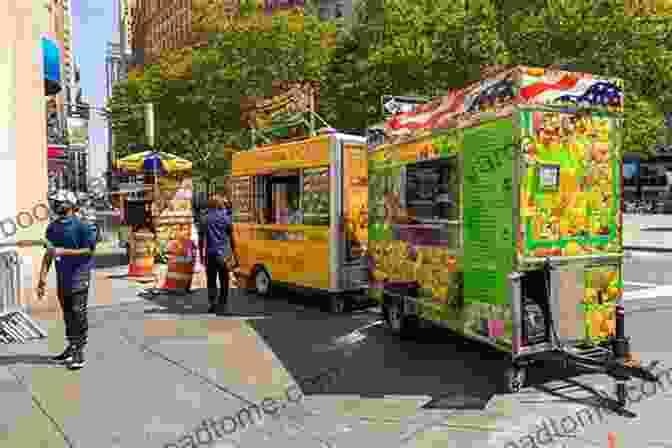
315,196
241,196
488,212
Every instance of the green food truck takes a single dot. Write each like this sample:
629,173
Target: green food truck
495,211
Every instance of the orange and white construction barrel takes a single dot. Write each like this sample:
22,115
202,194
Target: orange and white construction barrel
181,257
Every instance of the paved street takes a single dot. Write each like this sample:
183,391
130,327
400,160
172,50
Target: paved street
157,368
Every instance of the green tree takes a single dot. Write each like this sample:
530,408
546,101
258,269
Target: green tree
397,47
599,37
425,48
198,94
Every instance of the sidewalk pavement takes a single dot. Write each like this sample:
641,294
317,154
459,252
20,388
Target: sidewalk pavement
152,378
650,233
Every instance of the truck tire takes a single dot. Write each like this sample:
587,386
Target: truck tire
262,282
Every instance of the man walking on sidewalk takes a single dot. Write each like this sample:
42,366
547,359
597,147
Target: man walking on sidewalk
72,243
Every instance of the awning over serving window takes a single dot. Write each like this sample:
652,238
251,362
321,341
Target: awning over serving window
52,67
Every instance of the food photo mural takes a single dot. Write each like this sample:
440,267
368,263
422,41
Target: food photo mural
603,288
570,188
409,256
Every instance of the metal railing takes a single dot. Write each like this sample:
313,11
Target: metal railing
15,324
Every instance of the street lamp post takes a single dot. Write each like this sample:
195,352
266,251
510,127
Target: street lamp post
150,130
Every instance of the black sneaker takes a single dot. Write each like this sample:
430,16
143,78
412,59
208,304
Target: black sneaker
66,356
77,361
212,309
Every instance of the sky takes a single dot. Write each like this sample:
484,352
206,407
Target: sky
94,24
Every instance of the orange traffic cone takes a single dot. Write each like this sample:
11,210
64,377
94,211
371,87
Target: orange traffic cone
612,440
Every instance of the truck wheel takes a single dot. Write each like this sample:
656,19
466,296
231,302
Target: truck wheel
515,377
262,282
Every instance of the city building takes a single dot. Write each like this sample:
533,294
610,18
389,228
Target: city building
79,114
158,25
126,8
152,26
648,7
335,9
31,70
60,35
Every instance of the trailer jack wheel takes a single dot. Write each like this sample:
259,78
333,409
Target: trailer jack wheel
398,322
515,377
338,303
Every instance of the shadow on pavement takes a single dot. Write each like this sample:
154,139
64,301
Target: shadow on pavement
455,372
110,260
240,303
26,359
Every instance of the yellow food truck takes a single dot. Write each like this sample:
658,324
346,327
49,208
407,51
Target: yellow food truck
300,215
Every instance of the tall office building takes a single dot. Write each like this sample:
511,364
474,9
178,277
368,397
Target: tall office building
30,71
158,25
151,26
648,7
59,13
126,8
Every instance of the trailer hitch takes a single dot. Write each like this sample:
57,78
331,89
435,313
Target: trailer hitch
618,363
612,367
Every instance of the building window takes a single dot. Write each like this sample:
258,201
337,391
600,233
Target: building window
339,10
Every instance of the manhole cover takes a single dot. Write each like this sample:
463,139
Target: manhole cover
457,401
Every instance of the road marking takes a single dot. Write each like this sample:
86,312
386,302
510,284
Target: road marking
643,285
649,293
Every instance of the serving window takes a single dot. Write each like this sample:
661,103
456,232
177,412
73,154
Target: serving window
432,191
291,197
278,199
433,200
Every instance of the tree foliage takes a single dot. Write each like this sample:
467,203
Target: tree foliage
400,47
424,48
199,93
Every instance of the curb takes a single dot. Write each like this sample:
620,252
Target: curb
648,249
110,260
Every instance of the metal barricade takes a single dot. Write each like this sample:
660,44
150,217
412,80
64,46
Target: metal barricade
16,326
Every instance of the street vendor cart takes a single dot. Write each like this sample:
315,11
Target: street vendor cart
496,212
161,218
